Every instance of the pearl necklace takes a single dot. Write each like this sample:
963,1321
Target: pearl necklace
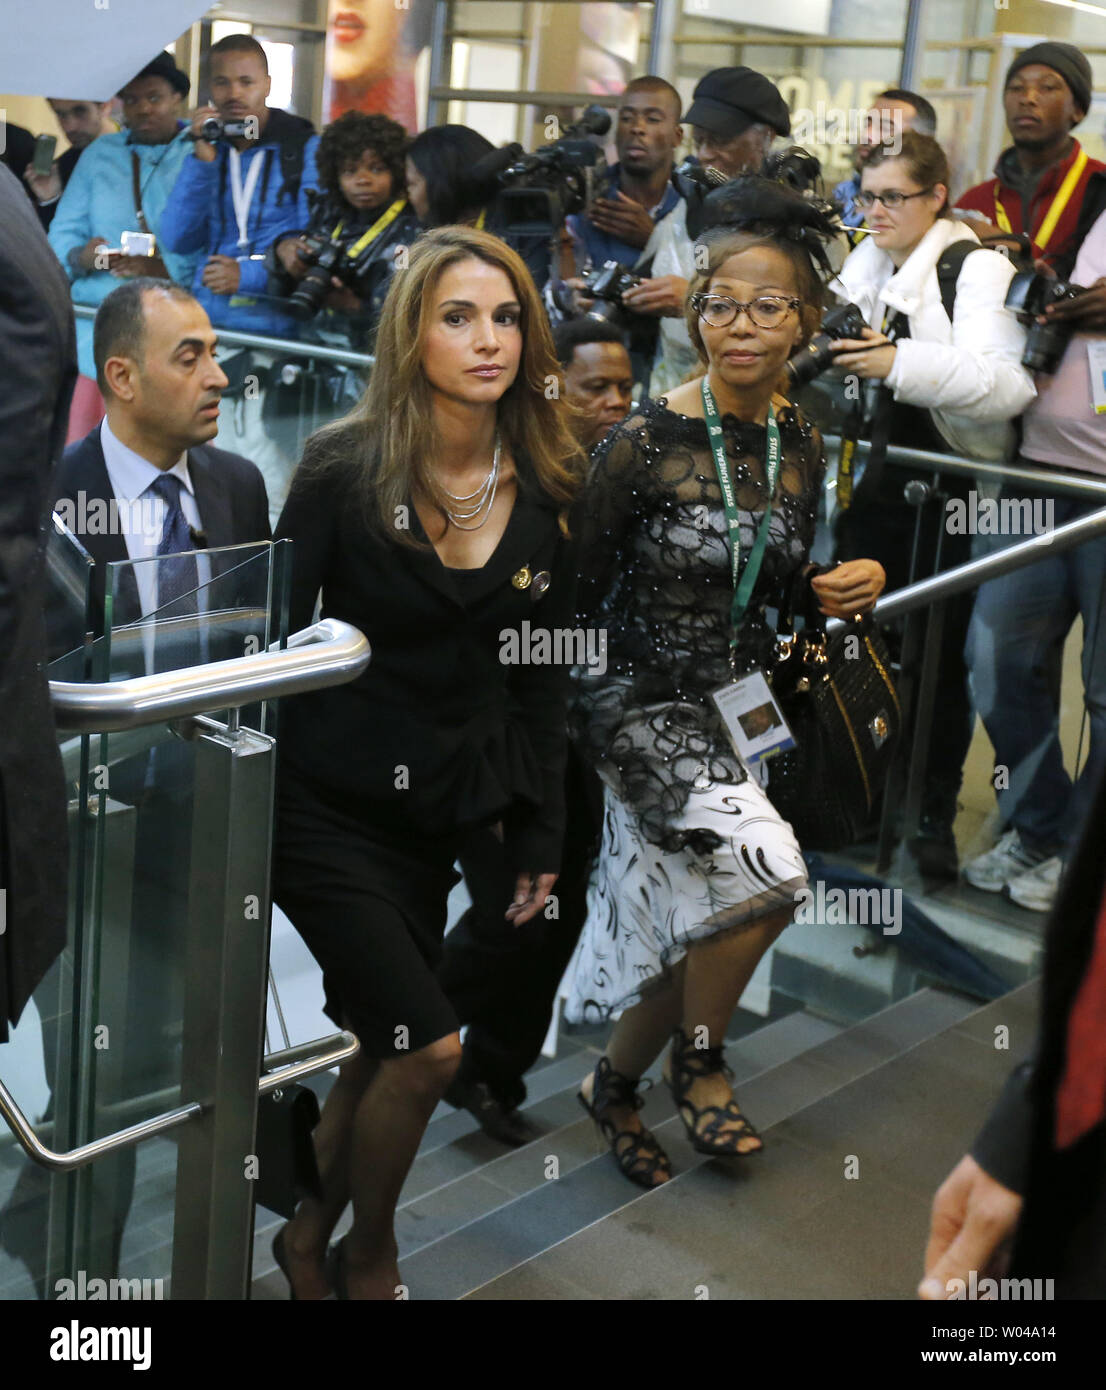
469,507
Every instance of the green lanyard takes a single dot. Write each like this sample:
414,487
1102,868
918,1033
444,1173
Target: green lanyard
743,588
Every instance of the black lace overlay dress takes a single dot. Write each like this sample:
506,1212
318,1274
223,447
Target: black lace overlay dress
691,843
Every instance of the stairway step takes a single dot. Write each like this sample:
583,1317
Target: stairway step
556,1211
776,1227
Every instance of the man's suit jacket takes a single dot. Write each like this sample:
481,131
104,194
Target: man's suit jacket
230,497
38,369
1062,1233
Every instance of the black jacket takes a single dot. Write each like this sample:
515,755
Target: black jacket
38,368
438,733
1062,1234
230,497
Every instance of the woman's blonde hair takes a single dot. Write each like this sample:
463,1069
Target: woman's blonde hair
393,427
721,243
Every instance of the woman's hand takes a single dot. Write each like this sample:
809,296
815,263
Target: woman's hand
870,358
530,896
851,588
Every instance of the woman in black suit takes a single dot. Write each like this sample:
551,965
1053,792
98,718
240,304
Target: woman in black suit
433,518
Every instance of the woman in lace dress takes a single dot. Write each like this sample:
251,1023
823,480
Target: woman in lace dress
698,873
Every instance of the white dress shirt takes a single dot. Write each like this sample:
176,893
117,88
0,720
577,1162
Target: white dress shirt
139,515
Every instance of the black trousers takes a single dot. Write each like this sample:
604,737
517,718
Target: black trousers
502,979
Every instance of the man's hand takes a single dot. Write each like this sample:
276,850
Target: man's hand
85,258
222,274
45,187
288,254
203,149
850,588
1087,311
128,267
972,1222
621,217
663,295
342,299
530,896
581,301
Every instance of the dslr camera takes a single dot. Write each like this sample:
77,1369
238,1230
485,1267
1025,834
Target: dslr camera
845,321
606,285
1028,295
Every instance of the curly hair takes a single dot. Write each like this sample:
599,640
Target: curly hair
345,141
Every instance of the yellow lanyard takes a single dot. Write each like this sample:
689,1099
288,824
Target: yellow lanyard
1056,210
384,220
480,219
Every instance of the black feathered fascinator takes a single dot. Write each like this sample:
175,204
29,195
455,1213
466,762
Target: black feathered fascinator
769,207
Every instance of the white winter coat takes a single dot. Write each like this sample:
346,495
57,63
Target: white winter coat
967,372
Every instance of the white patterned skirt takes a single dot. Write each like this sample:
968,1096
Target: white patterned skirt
646,905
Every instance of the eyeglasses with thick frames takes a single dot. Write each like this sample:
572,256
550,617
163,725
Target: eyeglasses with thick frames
892,198
767,311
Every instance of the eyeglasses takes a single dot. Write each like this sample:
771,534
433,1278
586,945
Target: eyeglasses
719,311
892,198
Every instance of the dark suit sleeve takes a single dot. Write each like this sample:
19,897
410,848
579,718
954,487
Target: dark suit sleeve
259,509
533,838
309,521
1002,1146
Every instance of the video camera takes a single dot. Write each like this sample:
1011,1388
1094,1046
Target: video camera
538,191
215,128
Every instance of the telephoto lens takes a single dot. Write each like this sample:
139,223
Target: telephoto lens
846,321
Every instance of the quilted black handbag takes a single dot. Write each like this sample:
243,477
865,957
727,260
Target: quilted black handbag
839,698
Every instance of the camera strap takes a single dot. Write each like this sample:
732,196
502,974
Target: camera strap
136,185
242,193
1056,207
382,222
743,583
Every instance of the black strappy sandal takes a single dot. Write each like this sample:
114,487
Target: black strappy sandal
640,1158
715,1137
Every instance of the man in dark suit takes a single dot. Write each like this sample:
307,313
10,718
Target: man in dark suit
145,477
145,484
38,369
1036,1175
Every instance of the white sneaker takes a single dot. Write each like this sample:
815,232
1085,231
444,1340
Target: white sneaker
1036,888
992,871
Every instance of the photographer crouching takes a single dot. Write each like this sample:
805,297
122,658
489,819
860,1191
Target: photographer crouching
335,274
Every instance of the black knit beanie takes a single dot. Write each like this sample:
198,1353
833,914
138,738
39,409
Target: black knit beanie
1065,59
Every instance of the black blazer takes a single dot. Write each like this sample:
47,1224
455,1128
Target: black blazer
439,732
230,497
38,368
1062,1233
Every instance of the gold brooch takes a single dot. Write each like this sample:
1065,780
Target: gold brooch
522,578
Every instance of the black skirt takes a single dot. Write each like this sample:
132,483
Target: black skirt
370,904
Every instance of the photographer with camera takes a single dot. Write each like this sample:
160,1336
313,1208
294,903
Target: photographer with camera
1022,620
115,203
243,188
620,233
342,264
1041,181
943,355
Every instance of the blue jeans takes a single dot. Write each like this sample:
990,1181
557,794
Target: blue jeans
1014,653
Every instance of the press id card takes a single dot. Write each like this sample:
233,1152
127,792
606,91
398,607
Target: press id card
753,719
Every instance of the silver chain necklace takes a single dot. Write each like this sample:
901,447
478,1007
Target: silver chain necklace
469,507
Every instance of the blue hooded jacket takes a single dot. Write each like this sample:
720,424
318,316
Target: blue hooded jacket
199,218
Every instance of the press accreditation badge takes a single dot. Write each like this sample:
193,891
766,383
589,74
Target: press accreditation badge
1096,356
753,719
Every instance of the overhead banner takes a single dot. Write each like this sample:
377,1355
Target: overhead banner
86,50
371,50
